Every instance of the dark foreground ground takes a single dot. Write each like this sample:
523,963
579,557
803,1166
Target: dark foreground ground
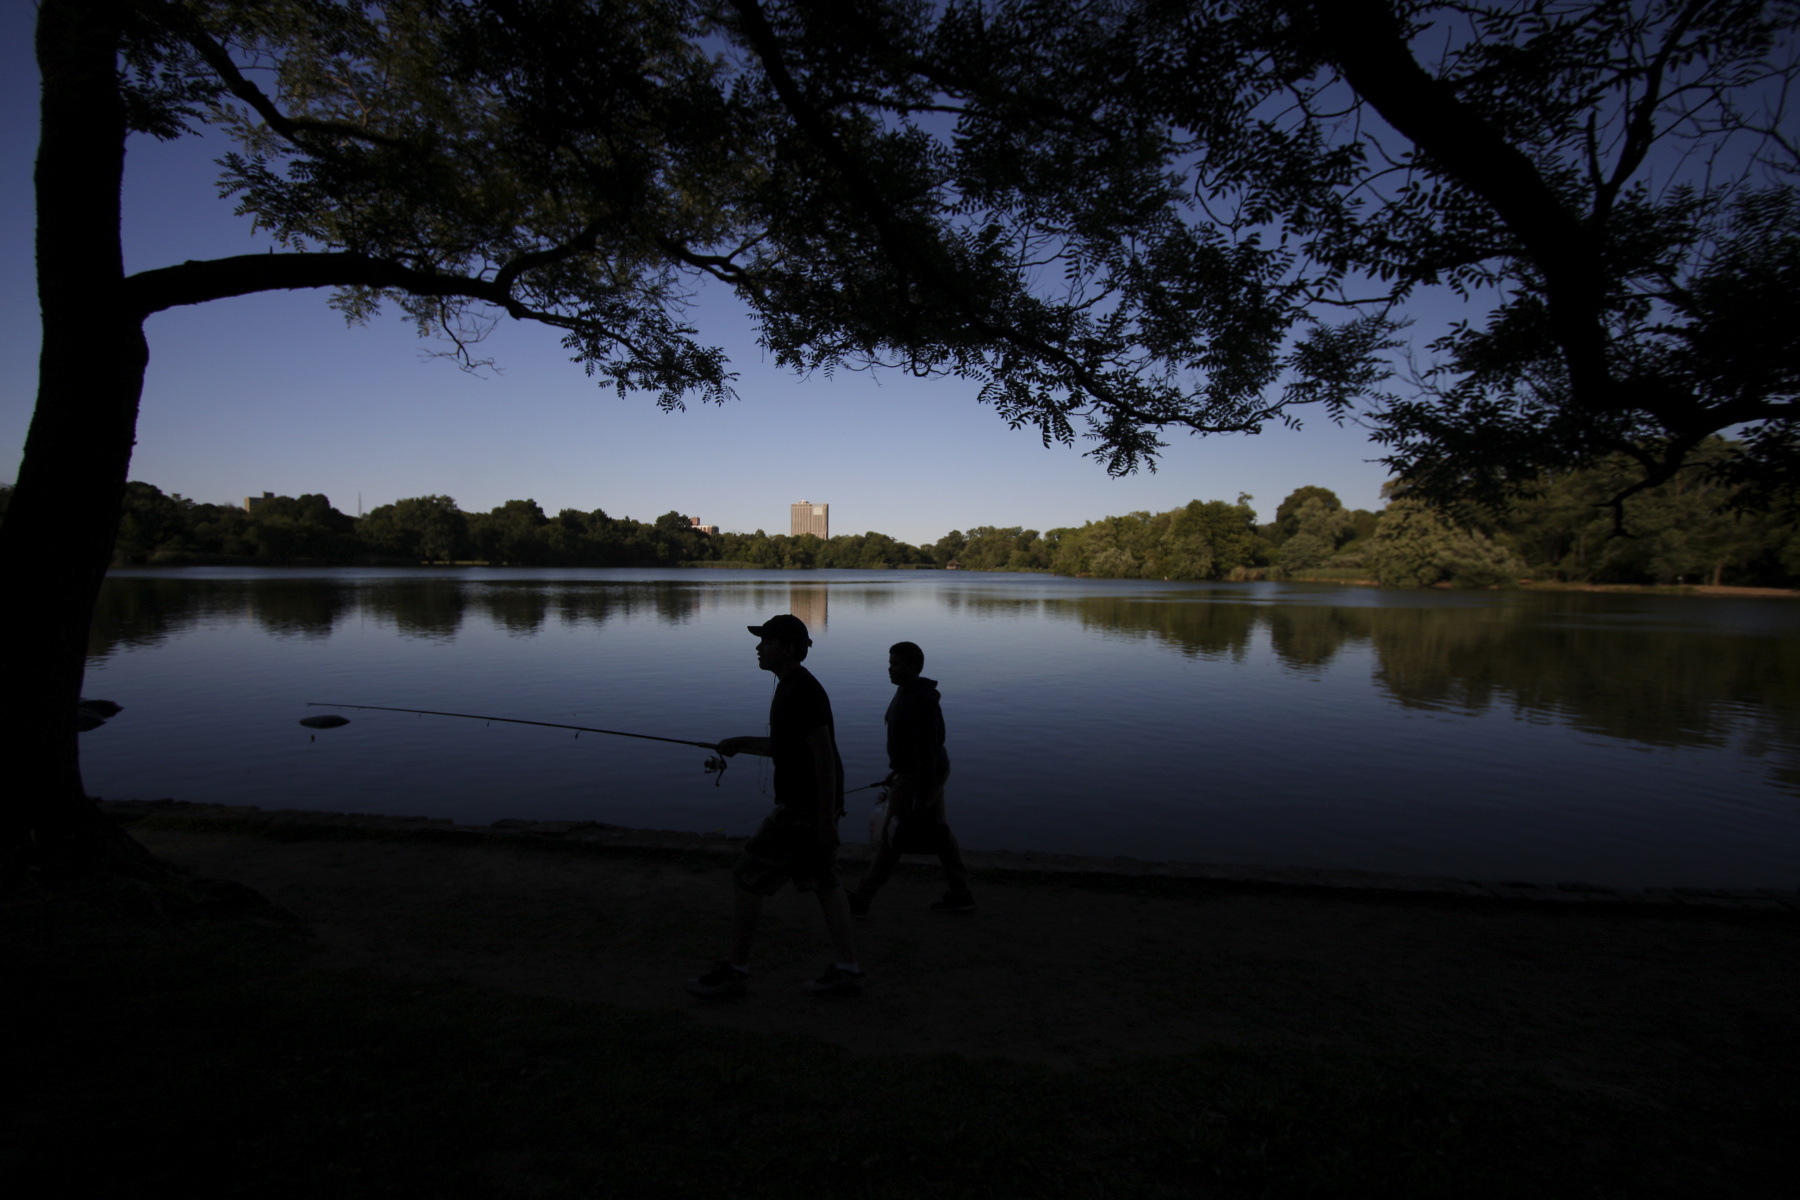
476,1017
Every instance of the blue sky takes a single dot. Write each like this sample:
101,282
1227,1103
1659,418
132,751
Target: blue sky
274,393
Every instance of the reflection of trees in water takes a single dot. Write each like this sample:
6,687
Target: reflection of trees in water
524,606
1461,657
431,608
669,603
1685,688
299,607
514,608
978,604
1308,636
1674,689
1537,657
1662,688
1197,630
141,612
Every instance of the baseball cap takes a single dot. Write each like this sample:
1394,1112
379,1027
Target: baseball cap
783,627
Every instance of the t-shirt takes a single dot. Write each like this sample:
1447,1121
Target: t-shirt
801,706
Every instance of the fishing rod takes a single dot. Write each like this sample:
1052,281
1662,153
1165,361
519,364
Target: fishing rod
712,764
716,763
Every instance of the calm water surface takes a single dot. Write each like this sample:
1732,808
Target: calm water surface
1619,739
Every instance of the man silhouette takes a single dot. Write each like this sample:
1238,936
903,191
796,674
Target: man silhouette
799,839
917,769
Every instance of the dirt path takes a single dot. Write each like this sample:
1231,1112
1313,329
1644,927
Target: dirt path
1641,1002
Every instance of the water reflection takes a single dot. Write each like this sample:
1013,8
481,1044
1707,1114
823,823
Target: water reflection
144,610
1220,630
1596,663
810,602
140,611
1637,681
1626,740
1305,637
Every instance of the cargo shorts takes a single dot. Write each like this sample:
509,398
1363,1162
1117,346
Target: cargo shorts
786,847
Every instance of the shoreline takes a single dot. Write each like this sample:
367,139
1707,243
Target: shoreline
1522,585
1657,589
598,836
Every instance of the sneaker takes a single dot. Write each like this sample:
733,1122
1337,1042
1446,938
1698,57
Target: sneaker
837,982
955,902
722,982
859,904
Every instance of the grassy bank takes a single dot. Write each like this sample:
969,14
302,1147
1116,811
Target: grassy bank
197,1047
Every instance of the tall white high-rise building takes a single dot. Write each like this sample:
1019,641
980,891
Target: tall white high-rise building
808,517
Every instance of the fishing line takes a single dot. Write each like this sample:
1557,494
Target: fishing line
717,763
714,765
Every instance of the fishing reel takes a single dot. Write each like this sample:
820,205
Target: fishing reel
716,763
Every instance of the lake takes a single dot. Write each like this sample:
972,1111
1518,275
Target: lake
1621,739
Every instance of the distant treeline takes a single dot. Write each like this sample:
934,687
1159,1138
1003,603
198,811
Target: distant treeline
1679,532
1683,531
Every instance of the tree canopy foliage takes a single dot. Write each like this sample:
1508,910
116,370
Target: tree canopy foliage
1266,184
1120,218
855,172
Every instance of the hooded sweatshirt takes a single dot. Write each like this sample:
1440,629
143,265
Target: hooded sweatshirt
915,730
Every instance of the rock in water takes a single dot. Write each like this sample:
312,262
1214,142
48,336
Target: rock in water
92,714
324,721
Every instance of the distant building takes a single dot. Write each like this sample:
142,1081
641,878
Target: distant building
699,528
808,517
251,502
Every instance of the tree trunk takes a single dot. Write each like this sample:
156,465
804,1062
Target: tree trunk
59,529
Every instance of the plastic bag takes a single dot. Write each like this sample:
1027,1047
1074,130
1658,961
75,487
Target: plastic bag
878,819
